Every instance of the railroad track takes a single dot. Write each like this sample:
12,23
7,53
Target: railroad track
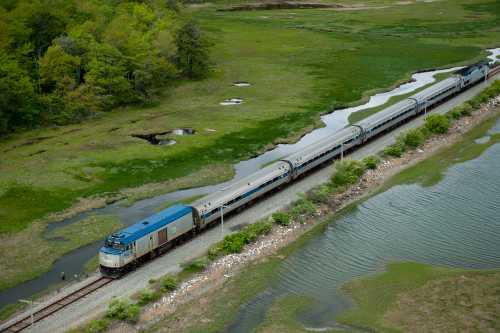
52,308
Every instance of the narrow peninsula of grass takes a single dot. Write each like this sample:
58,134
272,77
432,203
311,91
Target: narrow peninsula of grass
413,295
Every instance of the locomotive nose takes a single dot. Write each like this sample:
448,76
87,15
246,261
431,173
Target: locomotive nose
109,257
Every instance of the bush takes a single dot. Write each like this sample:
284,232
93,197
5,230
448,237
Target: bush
320,194
168,283
147,296
252,231
303,206
412,138
123,310
281,218
437,123
371,162
347,172
97,326
394,150
196,266
233,243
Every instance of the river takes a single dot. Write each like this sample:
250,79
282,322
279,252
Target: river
74,262
455,223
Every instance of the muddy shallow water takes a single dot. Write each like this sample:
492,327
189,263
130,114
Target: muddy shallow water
452,223
73,262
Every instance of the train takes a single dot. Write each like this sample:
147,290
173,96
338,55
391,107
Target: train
125,249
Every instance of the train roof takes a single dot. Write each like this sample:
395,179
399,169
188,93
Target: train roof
150,224
240,187
322,145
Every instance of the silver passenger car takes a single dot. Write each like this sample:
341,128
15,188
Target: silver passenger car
241,192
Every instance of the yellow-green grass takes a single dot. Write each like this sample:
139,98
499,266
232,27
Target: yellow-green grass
301,63
411,295
19,262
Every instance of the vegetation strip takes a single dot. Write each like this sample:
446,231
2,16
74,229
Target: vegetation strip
232,255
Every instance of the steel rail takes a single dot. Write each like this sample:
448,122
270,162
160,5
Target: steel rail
59,304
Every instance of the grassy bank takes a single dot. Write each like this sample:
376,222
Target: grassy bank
413,295
21,263
300,64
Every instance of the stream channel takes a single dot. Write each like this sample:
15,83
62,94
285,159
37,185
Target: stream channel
73,262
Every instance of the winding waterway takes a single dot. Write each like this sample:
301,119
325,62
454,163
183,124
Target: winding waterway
73,262
455,222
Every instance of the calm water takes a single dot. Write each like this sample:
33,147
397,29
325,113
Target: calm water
453,223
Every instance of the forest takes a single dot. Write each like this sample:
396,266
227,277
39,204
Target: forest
64,60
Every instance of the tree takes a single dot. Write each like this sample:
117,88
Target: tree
17,98
106,76
192,52
58,68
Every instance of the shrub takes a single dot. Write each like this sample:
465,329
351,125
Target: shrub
214,252
147,296
371,162
412,138
437,123
394,150
252,231
281,218
347,172
168,283
123,310
320,194
196,266
233,243
455,113
303,206
97,326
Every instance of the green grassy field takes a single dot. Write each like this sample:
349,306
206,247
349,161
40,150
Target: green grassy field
411,295
301,63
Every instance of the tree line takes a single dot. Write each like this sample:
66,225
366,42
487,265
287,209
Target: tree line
64,60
